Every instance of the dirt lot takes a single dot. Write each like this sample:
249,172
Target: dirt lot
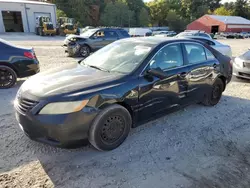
197,147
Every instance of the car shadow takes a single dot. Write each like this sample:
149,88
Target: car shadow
170,148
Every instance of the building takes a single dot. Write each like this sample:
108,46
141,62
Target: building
20,15
215,23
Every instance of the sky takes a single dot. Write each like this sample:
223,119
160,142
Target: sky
223,1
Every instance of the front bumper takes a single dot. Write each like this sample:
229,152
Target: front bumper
72,49
57,130
241,72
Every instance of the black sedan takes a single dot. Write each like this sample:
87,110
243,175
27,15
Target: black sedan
16,62
125,83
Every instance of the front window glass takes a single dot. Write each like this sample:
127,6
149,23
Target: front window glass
168,57
120,56
195,53
88,33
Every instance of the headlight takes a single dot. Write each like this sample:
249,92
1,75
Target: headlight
238,62
64,107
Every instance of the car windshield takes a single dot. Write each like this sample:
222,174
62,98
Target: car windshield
120,56
246,55
88,33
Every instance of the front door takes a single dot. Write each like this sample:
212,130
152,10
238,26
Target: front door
158,95
98,40
201,67
110,36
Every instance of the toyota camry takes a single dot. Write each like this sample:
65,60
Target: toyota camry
128,82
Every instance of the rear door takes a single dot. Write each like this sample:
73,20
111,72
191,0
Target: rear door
202,66
110,36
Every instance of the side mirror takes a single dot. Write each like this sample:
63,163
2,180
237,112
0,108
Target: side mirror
157,72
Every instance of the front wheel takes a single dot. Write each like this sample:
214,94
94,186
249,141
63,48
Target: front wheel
84,51
213,98
8,77
110,128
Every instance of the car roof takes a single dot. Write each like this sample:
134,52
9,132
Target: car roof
157,40
196,37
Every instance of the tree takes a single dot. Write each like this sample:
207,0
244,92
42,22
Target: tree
60,13
144,17
158,12
117,14
223,11
135,6
175,22
241,8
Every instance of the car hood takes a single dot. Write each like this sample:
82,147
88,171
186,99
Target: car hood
67,79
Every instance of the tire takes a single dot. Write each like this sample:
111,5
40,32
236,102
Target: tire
84,51
41,33
213,98
8,77
103,133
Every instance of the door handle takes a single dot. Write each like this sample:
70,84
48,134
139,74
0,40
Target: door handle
183,74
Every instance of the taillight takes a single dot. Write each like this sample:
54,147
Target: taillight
30,55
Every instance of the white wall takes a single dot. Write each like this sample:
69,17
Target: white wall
31,9
238,26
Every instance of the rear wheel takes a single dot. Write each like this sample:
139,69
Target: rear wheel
213,98
110,128
8,77
84,51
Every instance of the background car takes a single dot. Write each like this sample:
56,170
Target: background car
118,87
222,48
193,33
16,62
241,66
92,40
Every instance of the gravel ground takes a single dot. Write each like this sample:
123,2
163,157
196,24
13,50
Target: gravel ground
197,147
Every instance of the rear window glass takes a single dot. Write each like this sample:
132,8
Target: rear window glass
209,54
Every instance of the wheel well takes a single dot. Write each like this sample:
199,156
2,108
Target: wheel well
224,80
128,108
10,66
88,46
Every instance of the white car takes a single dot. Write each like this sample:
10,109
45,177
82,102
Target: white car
222,48
191,33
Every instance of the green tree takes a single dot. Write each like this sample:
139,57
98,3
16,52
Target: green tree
158,12
175,22
223,11
241,8
117,14
135,6
144,17
60,13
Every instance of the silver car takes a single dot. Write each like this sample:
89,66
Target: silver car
222,48
241,66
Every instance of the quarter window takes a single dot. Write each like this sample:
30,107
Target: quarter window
168,57
209,54
195,53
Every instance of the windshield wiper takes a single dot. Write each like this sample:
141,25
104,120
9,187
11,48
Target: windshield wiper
99,68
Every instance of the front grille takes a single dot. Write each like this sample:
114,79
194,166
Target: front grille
69,27
26,105
244,74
